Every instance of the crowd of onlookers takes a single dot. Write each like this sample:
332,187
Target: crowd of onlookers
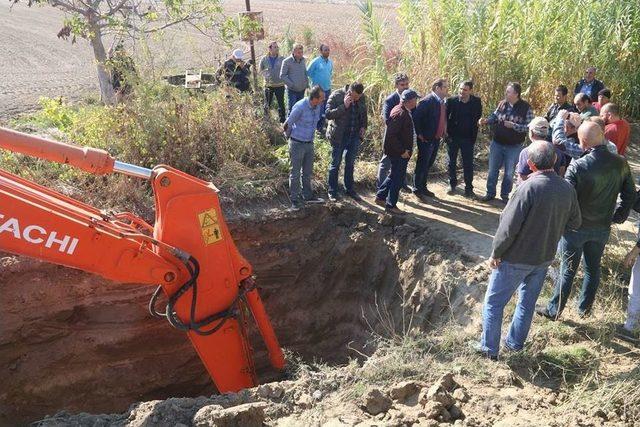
572,181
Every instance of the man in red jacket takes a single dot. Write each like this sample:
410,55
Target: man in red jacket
616,128
399,139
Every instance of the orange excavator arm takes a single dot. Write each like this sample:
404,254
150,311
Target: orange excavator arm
188,253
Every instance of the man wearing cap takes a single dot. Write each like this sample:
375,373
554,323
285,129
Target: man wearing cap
538,131
598,177
589,85
236,71
270,66
401,82
294,75
300,129
540,211
399,139
320,72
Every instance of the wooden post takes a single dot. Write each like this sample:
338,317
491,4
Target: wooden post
253,53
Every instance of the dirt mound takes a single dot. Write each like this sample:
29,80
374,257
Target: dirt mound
72,341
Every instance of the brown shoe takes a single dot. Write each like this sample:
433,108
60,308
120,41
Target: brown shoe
380,202
394,211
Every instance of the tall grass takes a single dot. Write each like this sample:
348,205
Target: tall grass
540,43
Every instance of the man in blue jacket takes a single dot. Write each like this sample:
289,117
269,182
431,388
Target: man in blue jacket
430,118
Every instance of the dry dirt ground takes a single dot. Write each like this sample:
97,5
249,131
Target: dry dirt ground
36,63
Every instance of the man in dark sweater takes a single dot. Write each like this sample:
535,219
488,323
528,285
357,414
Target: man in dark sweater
524,246
560,103
399,139
401,81
510,124
463,113
589,85
599,176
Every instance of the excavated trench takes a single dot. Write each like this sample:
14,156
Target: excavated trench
73,341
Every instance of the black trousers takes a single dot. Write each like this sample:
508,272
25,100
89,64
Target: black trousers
269,92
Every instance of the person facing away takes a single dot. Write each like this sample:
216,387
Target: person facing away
616,129
236,71
320,72
430,118
510,123
589,85
538,131
270,66
540,211
560,103
401,82
300,129
347,115
463,113
294,75
399,139
599,176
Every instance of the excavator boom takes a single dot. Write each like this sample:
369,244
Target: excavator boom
188,253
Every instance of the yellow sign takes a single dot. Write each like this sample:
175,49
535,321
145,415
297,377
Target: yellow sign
211,232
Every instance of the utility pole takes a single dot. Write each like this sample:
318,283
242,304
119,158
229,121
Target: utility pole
253,53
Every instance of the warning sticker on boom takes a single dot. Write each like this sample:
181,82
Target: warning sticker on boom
211,232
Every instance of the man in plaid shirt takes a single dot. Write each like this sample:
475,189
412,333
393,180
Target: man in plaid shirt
510,123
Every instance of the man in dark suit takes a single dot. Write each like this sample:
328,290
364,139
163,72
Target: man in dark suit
430,119
463,113
589,85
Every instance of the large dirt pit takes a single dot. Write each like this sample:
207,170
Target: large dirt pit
328,275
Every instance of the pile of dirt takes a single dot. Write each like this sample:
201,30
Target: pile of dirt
328,276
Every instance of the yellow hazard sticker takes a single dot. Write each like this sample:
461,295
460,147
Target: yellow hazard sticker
211,232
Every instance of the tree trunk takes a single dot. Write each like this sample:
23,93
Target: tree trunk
107,95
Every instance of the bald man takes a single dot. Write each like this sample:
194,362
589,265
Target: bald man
598,177
616,129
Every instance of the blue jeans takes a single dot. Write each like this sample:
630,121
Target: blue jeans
502,155
390,188
575,244
301,156
348,147
427,152
323,119
293,96
503,283
383,171
465,146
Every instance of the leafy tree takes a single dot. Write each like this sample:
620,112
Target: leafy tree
93,20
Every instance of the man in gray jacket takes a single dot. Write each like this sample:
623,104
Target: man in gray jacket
524,246
347,115
294,75
270,66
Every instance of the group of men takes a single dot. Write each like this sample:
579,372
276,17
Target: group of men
570,179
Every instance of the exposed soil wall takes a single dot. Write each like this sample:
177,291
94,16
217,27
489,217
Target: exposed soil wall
73,341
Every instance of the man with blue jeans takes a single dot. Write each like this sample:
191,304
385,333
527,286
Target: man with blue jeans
320,71
300,128
401,81
399,140
294,75
523,248
599,176
347,115
510,123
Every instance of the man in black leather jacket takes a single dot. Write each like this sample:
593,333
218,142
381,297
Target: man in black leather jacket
598,177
